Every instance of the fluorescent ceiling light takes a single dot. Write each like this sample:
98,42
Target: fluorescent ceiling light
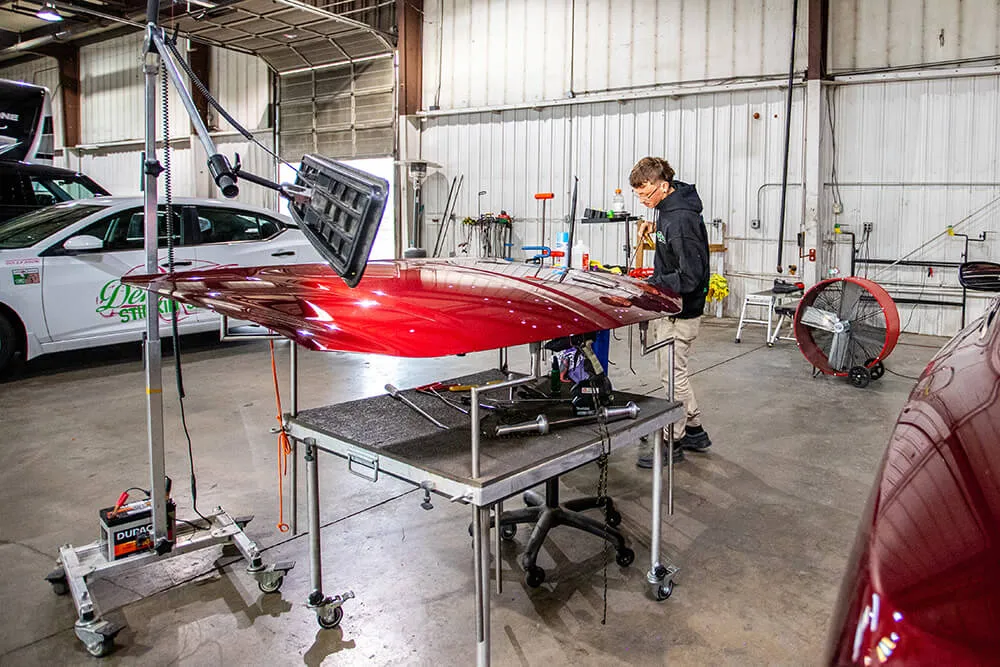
49,13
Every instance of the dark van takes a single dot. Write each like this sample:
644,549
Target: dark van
25,187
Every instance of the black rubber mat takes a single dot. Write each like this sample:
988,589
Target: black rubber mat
385,425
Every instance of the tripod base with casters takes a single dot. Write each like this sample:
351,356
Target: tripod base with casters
546,513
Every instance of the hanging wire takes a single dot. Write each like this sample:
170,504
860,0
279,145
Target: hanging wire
222,112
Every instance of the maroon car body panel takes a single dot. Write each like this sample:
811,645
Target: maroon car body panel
923,583
420,307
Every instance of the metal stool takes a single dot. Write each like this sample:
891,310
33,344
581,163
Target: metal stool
769,300
783,313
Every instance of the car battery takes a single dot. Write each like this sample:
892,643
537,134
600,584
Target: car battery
129,531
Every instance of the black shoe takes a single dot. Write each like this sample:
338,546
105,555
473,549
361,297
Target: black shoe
646,460
695,440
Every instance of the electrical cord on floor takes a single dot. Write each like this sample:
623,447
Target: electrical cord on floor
908,377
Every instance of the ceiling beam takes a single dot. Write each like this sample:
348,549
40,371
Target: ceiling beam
819,27
409,18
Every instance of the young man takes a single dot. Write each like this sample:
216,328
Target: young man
680,266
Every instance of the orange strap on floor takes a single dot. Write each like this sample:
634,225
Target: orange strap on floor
284,446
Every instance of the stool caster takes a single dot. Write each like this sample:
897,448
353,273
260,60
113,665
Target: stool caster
534,576
625,557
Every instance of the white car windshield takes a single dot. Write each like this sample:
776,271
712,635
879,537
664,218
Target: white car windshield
27,230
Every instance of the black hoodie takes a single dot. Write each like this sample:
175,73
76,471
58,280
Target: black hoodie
681,263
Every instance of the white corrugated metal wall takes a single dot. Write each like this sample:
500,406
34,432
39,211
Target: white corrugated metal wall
712,140
913,157
875,34
112,118
513,51
916,148
892,138
622,51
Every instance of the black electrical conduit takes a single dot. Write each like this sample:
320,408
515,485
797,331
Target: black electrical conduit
788,133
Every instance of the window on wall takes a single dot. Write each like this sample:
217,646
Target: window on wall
385,241
339,112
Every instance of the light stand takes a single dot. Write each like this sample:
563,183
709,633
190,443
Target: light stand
77,564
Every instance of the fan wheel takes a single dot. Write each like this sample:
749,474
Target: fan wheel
847,323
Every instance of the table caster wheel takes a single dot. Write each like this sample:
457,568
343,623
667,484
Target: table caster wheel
101,648
737,340
534,576
508,532
625,557
328,620
664,591
613,517
268,585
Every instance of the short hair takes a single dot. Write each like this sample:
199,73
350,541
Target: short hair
650,170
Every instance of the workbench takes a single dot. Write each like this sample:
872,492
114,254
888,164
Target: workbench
382,436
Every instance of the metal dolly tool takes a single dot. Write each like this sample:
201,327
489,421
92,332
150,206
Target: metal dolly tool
77,565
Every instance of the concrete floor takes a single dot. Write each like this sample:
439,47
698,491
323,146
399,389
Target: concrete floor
762,528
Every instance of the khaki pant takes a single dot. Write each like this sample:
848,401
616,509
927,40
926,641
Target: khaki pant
684,333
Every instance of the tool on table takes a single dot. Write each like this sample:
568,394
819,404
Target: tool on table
395,393
434,392
542,424
451,386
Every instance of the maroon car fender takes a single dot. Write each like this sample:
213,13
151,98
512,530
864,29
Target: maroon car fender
922,584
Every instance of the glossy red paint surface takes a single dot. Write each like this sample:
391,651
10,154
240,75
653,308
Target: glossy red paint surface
420,307
923,583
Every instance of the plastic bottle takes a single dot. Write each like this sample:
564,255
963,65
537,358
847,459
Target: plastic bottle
618,202
562,245
581,255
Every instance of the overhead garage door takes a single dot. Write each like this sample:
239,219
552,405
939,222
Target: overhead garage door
341,112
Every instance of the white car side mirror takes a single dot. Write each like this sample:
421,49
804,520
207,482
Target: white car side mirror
83,243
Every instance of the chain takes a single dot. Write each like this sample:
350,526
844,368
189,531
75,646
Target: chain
602,497
167,189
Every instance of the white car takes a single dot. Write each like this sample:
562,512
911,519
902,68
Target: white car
60,267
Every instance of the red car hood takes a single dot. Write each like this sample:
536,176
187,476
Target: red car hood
419,308
923,583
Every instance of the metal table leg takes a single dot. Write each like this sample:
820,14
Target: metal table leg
481,552
329,611
295,487
658,573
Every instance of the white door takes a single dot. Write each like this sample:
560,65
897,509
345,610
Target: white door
83,296
234,237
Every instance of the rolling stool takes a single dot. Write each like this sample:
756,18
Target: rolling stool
546,513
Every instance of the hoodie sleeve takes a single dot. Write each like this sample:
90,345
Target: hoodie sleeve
691,264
